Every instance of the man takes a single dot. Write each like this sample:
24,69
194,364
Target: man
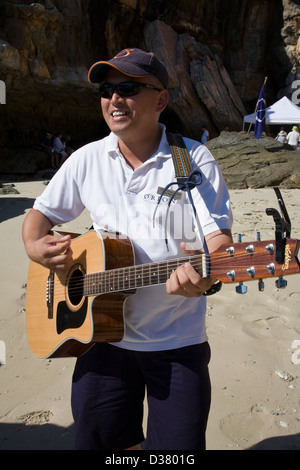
59,150
281,136
119,180
293,138
205,135
46,144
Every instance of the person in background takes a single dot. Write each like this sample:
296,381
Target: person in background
281,136
59,150
68,149
46,143
205,135
165,347
293,138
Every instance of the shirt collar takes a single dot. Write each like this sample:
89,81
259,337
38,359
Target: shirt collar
162,151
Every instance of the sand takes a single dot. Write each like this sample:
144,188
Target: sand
255,342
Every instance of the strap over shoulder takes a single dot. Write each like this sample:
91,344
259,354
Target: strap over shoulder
181,158
187,179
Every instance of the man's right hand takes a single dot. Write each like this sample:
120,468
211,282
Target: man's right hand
52,251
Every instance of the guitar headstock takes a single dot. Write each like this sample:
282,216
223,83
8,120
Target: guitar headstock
244,261
258,260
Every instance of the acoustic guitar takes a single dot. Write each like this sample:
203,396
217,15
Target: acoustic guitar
67,313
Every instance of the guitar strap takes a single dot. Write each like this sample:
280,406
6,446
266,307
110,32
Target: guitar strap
187,179
181,158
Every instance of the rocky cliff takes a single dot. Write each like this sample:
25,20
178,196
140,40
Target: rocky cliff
217,53
250,163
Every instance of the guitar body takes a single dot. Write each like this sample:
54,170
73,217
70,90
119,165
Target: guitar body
60,320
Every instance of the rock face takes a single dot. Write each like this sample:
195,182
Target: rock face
217,54
201,91
250,163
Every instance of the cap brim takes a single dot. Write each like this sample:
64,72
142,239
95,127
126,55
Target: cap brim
98,71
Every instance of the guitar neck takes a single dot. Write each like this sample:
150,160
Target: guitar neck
229,264
145,275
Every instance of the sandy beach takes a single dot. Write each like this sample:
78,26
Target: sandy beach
255,342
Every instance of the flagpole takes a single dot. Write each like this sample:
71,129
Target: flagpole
254,114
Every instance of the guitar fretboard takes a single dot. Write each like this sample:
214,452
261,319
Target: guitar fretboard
134,277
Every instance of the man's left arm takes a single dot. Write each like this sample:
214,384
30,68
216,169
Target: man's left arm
186,281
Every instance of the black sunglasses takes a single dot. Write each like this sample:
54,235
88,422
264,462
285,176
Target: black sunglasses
124,89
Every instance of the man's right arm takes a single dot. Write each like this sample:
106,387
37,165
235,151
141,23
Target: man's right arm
52,251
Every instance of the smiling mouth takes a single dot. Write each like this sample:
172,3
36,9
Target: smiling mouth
119,113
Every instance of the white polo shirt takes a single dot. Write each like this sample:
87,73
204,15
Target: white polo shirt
293,138
122,200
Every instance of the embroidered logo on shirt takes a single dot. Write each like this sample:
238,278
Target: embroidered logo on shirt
169,193
166,197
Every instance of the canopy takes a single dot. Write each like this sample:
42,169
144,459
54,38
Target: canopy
283,111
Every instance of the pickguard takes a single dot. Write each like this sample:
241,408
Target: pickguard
68,319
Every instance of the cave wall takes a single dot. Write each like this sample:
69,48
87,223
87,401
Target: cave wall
217,52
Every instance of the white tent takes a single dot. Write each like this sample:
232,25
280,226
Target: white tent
282,112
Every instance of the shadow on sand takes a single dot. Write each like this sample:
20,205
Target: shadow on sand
12,207
39,437
50,437
289,442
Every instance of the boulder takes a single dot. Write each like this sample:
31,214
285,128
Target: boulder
247,162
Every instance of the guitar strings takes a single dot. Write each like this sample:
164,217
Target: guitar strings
133,274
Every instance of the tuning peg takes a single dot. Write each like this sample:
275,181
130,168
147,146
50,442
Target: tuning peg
281,283
261,284
241,289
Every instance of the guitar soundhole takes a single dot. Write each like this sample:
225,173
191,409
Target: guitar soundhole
71,313
76,287
75,296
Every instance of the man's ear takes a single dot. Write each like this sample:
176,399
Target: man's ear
163,100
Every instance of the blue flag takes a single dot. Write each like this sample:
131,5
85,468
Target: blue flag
260,114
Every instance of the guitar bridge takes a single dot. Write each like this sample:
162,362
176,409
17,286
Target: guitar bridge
49,294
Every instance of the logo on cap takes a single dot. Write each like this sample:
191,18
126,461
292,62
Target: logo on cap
124,53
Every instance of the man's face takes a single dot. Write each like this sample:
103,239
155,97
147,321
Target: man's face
135,115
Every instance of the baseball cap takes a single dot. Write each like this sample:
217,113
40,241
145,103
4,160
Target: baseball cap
132,62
